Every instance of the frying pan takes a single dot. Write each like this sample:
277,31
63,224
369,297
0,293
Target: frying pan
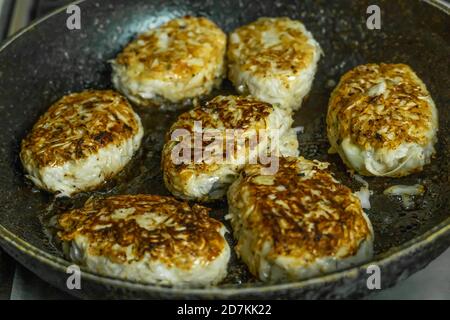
46,61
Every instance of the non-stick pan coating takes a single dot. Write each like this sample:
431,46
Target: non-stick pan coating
48,61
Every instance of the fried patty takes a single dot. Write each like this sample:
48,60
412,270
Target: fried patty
82,140
382,120
274,60
182,59
146,238
297,223
207,178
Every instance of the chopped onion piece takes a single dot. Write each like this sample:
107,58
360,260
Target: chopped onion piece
402,190
406,193
364,196
299,130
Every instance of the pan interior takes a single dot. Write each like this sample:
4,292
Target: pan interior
49,61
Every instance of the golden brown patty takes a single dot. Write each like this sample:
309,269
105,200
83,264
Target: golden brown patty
294,223
78,125
208,179
81,140
274,60
181,59
382,120
146,237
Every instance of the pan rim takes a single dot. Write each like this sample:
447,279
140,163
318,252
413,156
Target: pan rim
59,264
441,5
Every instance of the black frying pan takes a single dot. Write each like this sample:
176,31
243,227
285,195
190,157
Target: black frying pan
47,61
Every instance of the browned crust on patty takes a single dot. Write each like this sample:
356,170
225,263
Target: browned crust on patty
227,112
302,210
78,125
293,53
189,37
402,115
187,235
222,113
